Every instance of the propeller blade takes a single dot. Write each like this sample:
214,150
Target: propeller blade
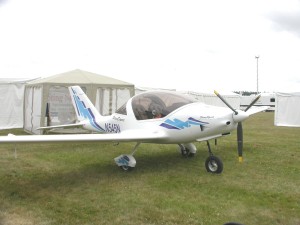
238,117
240,141
225,102
252,103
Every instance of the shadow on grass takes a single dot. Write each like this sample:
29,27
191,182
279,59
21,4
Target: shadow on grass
22,185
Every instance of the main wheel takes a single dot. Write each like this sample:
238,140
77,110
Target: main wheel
189,153
185,152
214,164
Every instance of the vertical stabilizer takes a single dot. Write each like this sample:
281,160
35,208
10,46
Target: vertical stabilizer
85,110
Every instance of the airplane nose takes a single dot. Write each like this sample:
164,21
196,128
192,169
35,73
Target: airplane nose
240,116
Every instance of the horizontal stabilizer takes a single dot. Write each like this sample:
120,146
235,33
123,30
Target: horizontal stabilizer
73,125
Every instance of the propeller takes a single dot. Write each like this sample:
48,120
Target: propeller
239,116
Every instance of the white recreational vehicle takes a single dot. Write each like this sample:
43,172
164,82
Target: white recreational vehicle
266,99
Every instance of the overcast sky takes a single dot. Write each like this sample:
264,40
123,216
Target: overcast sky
187,45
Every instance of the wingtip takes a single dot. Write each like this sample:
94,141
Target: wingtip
216,92
240,159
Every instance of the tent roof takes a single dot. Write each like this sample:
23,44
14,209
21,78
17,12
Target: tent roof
80,77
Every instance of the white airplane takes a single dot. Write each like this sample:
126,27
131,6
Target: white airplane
152,117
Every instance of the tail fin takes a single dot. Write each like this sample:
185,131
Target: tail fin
85,110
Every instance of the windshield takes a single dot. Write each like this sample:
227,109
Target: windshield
150,105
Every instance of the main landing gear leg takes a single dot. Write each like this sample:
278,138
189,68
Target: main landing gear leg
127,162
187,150
213,164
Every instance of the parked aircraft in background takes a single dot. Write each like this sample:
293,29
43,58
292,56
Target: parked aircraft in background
153,117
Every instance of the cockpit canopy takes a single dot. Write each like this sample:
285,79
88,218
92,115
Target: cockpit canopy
158,104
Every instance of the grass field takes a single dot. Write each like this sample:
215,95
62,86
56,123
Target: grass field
80,184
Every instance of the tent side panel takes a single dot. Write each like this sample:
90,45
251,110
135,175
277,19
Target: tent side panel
287,111
32,109
11,97
60,108
102,101
28,109
122,96
109,99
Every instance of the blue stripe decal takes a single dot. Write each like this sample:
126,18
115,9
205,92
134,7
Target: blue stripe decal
180,125
169,126
78,112
86,113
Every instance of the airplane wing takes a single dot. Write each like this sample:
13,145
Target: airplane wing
126,136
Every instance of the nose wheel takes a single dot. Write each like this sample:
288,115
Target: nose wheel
213,164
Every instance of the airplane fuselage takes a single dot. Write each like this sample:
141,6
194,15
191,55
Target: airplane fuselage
191,122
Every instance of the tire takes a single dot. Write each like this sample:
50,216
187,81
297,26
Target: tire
182,150
185,152
191,155
214,164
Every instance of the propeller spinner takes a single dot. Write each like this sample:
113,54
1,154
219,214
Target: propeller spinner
238,117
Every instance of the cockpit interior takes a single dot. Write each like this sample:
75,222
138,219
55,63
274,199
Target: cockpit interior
152,105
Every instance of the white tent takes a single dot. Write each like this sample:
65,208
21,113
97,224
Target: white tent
11,98
211,99
47,101
287,110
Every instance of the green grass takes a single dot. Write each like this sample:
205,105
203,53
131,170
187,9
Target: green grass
80,184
